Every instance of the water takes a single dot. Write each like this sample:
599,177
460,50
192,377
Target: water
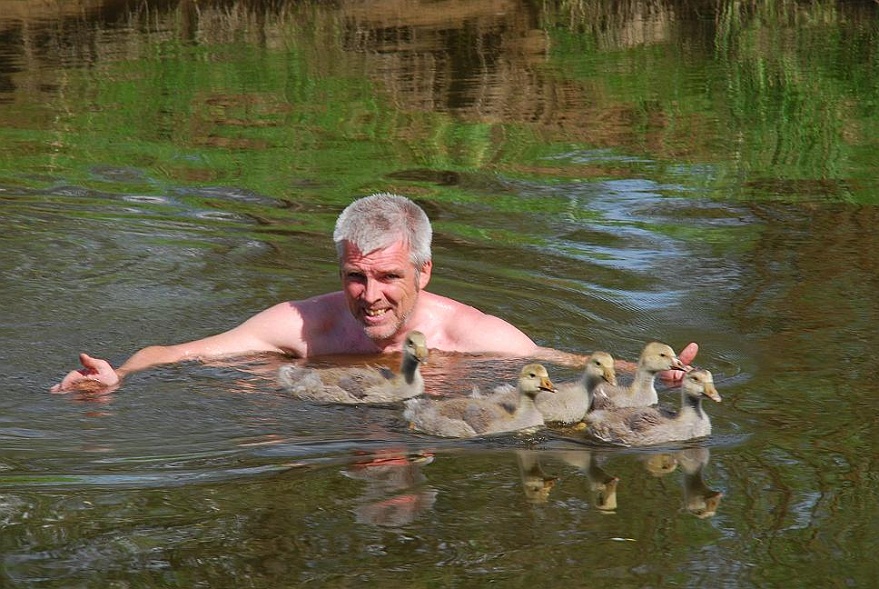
599,174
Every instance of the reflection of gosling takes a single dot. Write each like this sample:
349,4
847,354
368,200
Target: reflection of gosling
471,416
655,358
571,400
356,385
703,502
602,486
535,482
699,499
643,426
604,492
660,465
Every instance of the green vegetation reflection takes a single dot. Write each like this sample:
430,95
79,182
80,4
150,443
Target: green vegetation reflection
295,113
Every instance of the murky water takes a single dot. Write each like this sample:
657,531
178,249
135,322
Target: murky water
599,174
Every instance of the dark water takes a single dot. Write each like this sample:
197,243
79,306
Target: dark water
598,173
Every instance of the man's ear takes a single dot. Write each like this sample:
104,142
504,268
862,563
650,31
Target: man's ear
424,274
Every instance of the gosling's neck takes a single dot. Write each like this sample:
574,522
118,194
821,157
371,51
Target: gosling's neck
644,384
590,382
689,403
526,403
409,368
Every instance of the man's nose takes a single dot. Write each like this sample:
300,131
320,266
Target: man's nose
371,291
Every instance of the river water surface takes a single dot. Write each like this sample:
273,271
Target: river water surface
599,174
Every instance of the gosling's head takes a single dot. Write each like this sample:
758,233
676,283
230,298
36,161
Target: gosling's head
415,346
600,366
657,357
534,378
699,383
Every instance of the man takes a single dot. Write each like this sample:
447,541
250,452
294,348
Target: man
383,245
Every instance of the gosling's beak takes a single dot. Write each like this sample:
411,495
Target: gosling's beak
677,364
546,385
609,376
421,354
711,392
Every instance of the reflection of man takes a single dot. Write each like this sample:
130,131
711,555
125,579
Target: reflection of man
396,492
383,245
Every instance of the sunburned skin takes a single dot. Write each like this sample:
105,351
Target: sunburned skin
381,289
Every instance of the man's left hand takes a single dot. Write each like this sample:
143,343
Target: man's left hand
686,356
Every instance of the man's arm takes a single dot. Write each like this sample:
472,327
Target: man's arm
272,330
472,331
475,331
554,356
578,361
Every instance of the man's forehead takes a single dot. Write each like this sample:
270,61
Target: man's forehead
393,247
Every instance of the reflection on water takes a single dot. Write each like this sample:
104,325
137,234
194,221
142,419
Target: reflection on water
600,174
699,499
394,493
602,486
535,482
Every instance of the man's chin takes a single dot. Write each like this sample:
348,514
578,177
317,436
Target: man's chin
379,333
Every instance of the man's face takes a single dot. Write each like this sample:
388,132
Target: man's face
381,288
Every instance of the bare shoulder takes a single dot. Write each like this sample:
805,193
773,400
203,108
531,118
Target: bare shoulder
460,327
317,307
298,328
326,326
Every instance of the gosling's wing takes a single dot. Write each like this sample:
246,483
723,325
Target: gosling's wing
603,396
484,416
645,419
505,396
438,418
299,381
385,372
357,382
609,425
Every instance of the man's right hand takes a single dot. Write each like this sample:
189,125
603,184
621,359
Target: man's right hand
96,374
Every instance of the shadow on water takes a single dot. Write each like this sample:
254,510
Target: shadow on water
599,174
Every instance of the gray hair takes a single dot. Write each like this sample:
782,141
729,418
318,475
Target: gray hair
377,221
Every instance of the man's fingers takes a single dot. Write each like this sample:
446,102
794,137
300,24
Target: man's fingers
686,357
672,376
68,381
689,353
92,364
90,374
